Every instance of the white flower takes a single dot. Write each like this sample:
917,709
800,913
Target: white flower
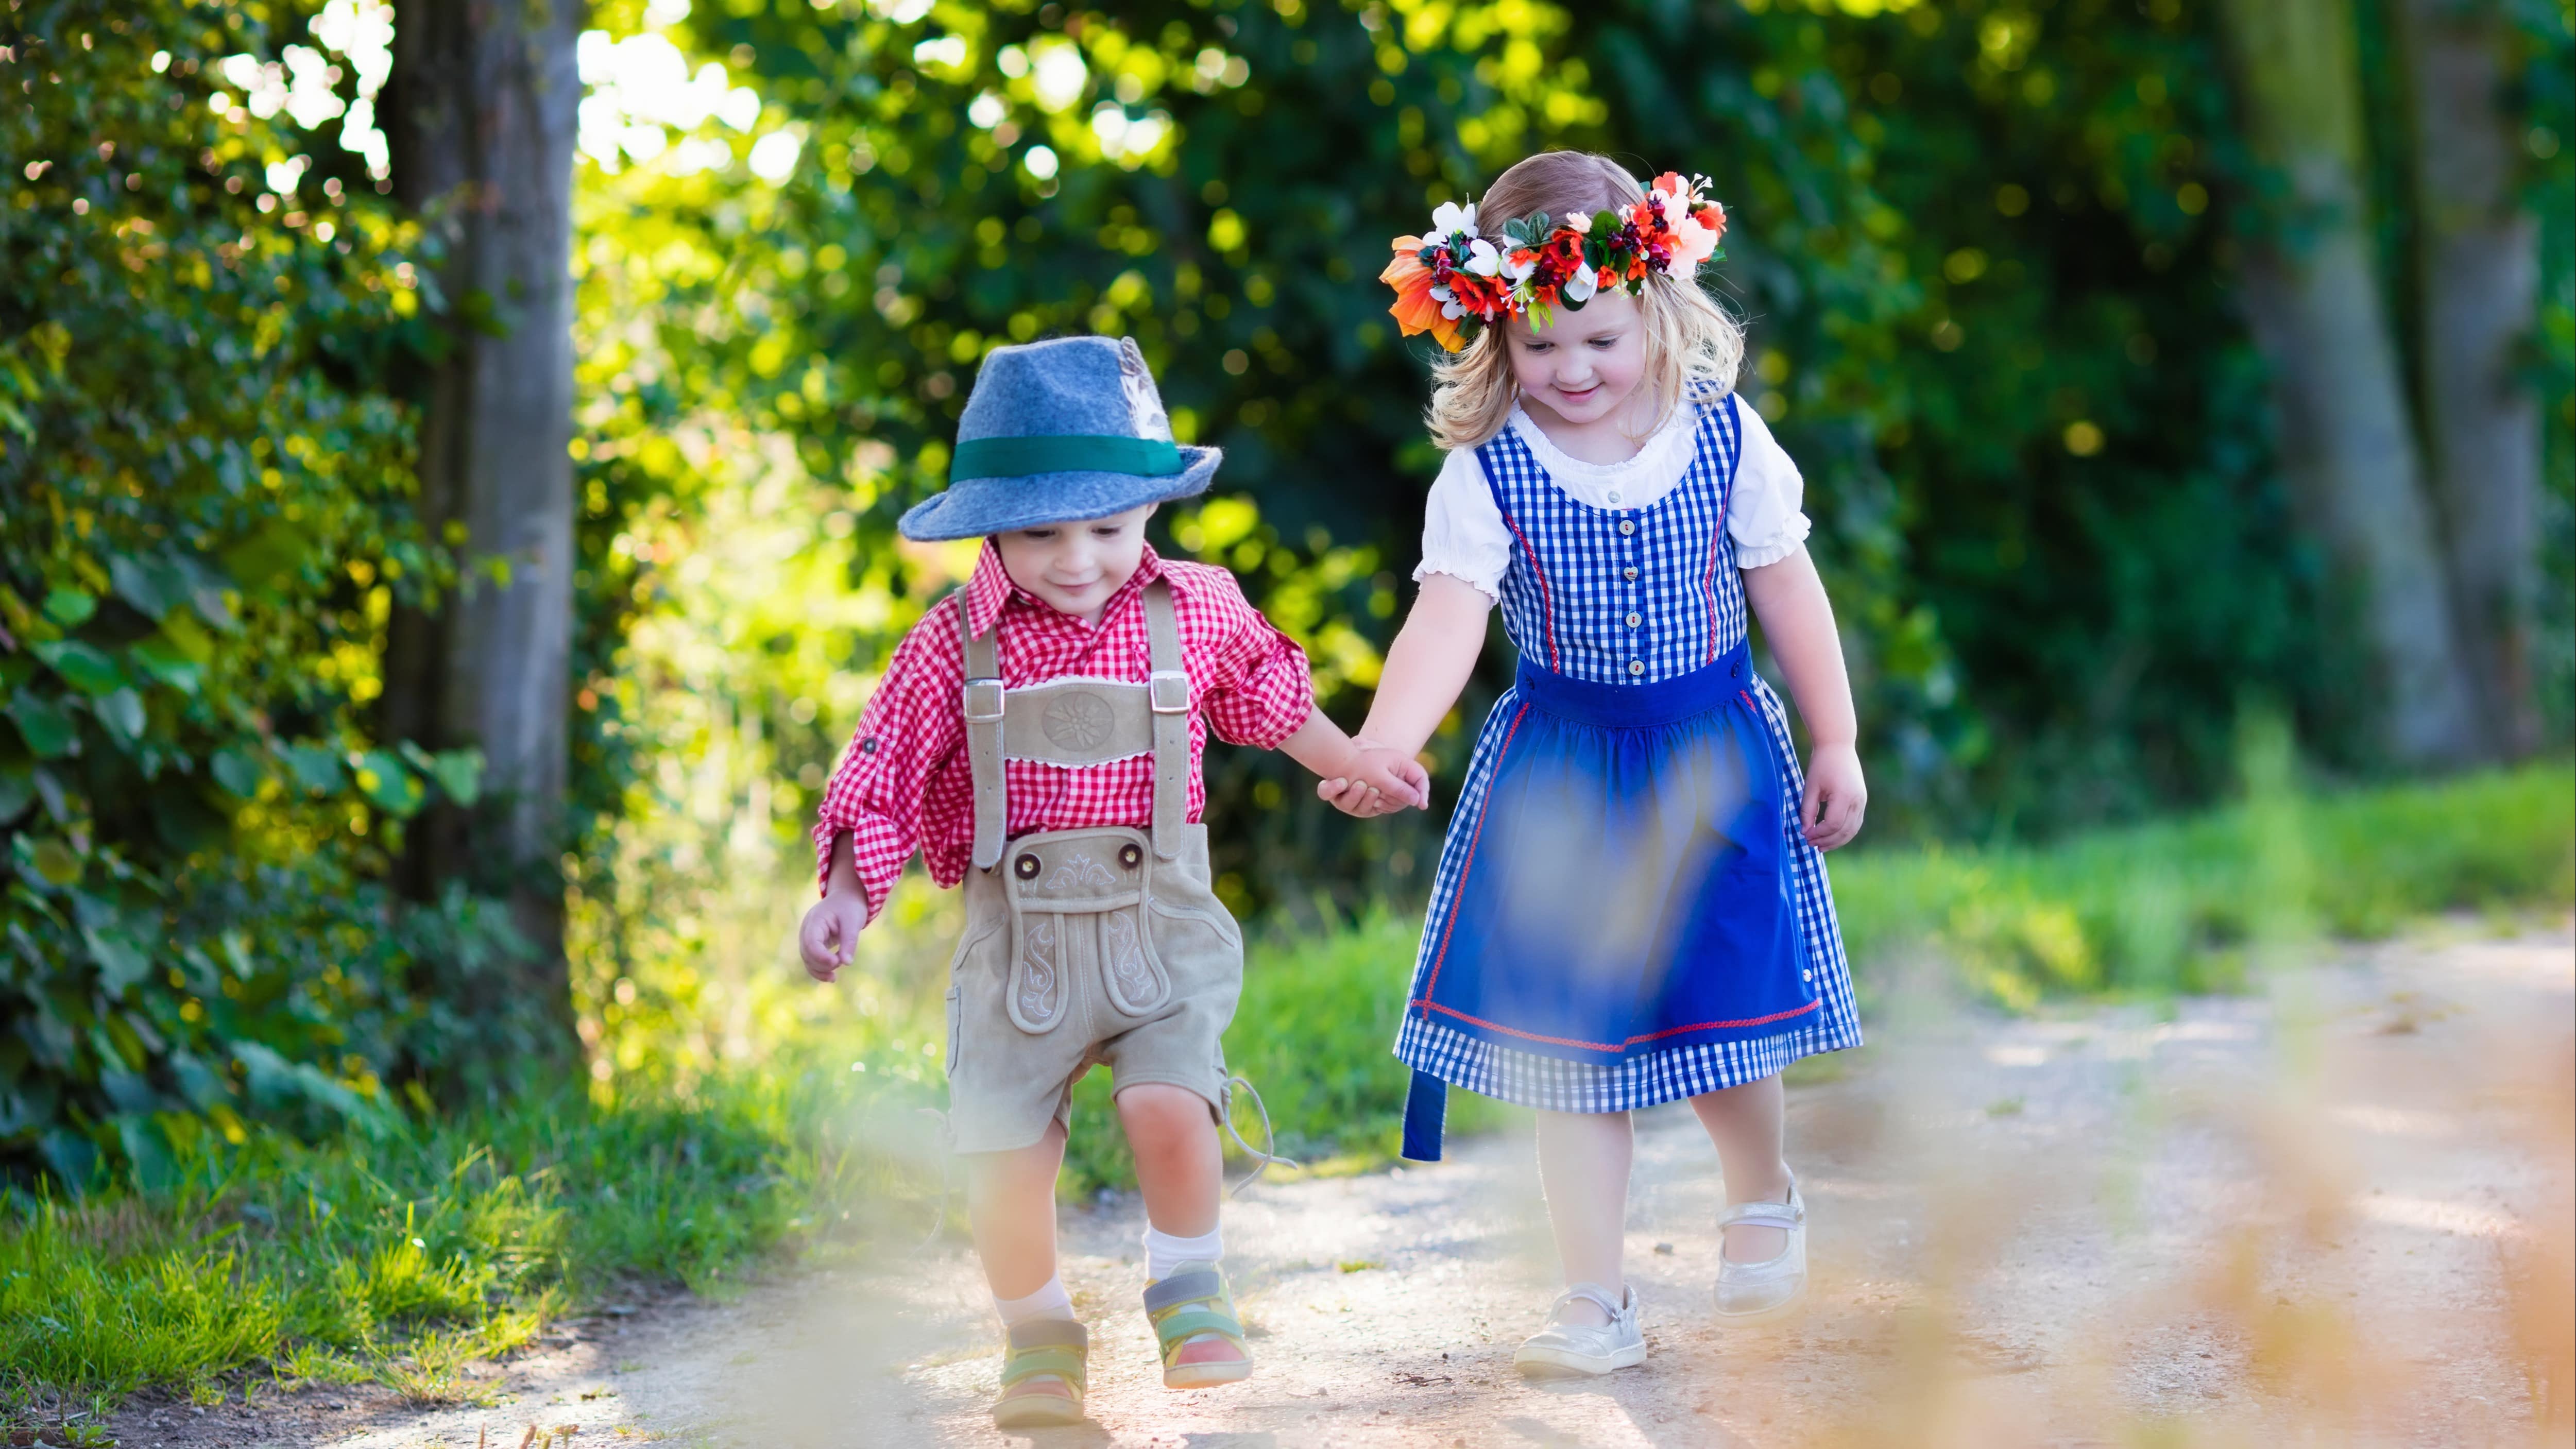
1581,222
1519,268
1692,244
1453,309
1452,218
1580,285
1482,259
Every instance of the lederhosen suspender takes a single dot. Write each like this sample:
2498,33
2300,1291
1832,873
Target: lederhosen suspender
1079,721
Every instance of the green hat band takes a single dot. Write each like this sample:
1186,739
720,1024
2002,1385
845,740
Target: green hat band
1064,453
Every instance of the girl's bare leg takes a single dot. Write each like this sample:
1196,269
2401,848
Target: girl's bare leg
1748,1124
1010,1200
1583,1160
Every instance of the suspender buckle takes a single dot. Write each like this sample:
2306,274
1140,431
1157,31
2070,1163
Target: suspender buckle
983,701
1169,691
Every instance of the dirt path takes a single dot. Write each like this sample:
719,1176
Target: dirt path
2315,1214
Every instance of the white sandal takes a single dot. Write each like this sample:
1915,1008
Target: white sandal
1572,1350
1750,1292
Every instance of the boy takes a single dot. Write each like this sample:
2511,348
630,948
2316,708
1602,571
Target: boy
1044,725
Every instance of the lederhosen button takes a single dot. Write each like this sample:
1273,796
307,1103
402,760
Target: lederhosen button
1131,855
1026,867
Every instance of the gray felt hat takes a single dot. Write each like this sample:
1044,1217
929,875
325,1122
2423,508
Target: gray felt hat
1056,432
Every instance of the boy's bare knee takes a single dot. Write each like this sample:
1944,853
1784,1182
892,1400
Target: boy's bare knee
1161,1107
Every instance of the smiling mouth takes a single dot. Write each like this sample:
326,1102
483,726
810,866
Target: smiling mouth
1578,394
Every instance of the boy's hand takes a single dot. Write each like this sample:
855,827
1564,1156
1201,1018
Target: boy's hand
1379,780
829,939
1836,797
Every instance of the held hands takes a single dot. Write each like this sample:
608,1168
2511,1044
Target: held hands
1836,796
1376,780
829,939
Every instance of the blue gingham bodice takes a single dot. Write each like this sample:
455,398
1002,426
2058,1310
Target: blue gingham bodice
1627,595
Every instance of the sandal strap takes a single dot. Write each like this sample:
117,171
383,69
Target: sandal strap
1592,1291
1069,1364
1784,1215
1050,1333
1189,1323
1186,1305
1047,1348
1182,1288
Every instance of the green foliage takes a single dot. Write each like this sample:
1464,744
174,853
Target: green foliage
206,492
1986,250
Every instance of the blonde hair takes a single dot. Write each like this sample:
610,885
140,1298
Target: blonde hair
1689,338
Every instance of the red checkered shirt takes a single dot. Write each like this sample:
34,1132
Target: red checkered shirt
905,783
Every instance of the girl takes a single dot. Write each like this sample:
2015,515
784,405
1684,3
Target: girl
1631,906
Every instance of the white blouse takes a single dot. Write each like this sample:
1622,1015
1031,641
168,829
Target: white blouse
1465,537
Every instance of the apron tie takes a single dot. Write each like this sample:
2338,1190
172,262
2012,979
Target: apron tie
1426,1111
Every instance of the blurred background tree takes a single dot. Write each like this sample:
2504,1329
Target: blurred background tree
2002,260
479,110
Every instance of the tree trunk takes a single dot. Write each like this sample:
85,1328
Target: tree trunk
2347,445
2479,291
480,113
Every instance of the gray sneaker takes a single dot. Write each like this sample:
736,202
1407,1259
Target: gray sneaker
1748,1292
1573,1350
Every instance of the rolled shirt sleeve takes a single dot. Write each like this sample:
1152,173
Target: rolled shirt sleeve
1257,688
1764,515
900,762
1463,532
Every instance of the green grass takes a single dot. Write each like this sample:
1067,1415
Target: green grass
2181,906
403,1257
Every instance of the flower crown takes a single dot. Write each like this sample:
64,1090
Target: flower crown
1452,281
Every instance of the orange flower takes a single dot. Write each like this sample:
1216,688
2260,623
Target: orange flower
1415,309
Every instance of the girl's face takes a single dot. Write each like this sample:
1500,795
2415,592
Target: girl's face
1073,568
1583,366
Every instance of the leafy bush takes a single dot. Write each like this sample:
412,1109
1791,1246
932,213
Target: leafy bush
206,488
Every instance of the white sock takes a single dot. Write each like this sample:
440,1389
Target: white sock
1164,1252
1050,1301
